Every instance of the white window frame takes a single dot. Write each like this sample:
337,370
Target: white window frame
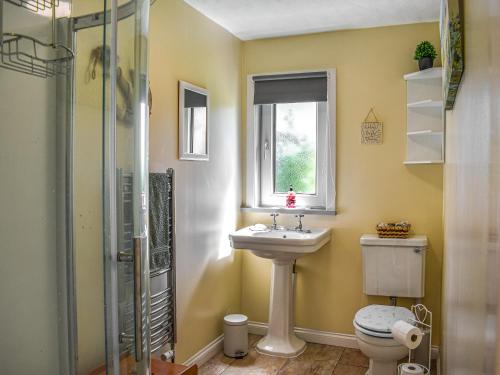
257,189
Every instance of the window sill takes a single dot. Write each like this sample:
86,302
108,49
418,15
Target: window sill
290,211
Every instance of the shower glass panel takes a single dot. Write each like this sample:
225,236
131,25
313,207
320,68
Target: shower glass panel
110,190
126,173
88,159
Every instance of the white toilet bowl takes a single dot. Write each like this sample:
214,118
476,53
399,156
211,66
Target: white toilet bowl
372,325
384,354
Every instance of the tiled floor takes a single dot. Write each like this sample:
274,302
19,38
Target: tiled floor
316,360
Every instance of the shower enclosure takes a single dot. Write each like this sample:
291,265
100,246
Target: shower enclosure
78,80
110,74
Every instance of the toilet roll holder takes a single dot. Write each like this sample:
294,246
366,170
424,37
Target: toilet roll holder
423,321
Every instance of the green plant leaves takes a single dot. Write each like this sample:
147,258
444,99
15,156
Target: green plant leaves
425,49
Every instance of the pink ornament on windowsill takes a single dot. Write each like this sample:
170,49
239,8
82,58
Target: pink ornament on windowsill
290,198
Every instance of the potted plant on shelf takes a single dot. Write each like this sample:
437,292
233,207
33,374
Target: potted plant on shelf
425,53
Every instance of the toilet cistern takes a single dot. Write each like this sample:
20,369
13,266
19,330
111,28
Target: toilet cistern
391,267
283,247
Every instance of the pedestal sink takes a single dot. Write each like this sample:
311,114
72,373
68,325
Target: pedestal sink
282,247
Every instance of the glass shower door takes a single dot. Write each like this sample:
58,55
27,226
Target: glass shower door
110,194
125,191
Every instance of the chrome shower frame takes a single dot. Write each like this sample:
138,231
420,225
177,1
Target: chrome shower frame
67,29
65,93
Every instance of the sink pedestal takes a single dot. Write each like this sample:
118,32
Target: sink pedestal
280,339
282,247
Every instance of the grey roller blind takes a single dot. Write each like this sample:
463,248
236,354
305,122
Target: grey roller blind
291,88
194,99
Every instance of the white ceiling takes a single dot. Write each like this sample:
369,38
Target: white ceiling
255,19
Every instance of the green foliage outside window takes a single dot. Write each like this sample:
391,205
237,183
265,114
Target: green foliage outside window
295,155
296,170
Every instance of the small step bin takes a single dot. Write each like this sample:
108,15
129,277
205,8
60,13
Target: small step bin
235,335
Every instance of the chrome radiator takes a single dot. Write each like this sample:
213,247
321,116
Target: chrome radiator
162,259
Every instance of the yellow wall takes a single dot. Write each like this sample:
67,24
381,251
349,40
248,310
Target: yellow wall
372,182
188,46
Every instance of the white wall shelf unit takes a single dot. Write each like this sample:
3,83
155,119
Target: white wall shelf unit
431,73
424,162
424,132
424,117
426,104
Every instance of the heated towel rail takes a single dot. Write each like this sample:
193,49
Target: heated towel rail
162,259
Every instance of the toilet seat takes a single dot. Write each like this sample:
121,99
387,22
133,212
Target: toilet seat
372,333
377,320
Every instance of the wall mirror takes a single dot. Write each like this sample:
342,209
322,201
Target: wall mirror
193,122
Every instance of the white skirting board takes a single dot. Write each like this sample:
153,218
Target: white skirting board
212,349
306,334
322,337
311,335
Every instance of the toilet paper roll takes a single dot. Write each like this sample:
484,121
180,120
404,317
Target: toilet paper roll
411,369
406,334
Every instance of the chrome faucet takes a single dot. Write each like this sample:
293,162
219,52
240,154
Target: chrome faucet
275,224
299,227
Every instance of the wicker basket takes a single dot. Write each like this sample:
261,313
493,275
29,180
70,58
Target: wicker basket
394,230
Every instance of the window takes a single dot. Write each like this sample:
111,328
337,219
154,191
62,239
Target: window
295,140
292,140
196,119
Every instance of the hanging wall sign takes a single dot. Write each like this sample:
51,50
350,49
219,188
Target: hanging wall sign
371,130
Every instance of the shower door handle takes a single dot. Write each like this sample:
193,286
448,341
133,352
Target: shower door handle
138,303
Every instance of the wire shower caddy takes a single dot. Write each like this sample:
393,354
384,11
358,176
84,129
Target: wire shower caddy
25,54
34,5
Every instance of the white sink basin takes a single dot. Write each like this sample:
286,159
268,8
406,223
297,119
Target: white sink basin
283,247
283,244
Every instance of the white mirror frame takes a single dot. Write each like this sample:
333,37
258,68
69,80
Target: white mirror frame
183,129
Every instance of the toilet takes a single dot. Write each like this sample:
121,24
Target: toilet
392,267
